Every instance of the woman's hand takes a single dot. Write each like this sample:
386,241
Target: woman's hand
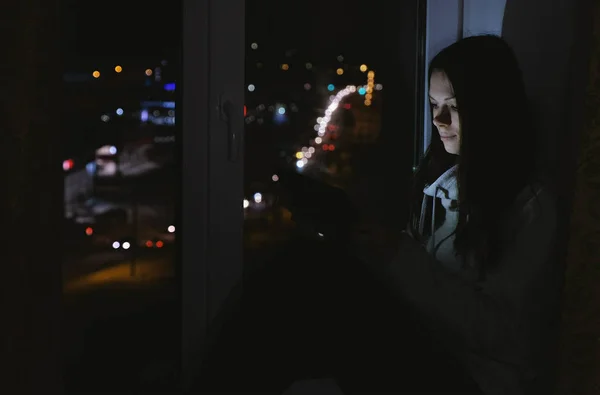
327,213
319,210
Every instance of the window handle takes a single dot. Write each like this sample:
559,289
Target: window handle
226,110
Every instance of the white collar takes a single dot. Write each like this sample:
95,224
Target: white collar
445,187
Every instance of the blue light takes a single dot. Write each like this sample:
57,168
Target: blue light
330,87
119,111
144,116
170,87
279,117
91,168
163,104
362,91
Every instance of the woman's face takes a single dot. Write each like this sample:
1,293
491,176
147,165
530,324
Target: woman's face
445,111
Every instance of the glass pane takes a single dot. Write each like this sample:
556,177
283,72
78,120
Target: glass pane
121,326
317,84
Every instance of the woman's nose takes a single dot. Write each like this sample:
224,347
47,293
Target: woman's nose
442,119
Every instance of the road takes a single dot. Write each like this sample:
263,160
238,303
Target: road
103,268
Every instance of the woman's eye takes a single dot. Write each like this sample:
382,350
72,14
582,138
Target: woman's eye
454,108
433,105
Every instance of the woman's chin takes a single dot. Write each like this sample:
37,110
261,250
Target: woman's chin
452,148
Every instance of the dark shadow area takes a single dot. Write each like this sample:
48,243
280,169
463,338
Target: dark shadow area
122,338
316,312
557,47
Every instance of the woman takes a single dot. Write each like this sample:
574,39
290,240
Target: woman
471,282
477,261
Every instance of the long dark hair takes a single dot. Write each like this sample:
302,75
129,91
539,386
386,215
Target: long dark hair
497,156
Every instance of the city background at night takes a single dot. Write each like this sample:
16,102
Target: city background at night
184,180
313,105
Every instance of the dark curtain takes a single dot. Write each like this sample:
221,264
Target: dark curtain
581,311
32,189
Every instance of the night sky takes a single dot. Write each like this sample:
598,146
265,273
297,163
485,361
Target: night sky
152,28
110,28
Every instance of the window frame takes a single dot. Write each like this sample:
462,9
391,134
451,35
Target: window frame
211,215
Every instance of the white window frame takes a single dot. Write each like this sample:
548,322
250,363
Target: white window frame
444,26
211,220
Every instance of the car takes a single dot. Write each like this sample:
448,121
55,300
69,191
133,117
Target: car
125,243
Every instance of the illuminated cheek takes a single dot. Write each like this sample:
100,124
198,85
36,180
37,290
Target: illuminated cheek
456,122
